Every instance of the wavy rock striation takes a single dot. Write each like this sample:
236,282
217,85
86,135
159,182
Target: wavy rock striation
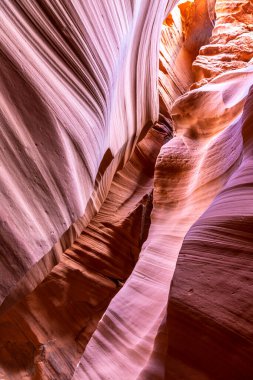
200,161
210,304
56,320
126,237
191,170
70,93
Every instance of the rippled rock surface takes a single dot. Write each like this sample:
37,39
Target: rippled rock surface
126,234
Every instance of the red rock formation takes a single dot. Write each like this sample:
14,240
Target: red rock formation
56,320
69,88
210,304
199,161
184,31
89,289
231,44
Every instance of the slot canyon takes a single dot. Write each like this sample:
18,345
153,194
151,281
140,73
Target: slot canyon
126,190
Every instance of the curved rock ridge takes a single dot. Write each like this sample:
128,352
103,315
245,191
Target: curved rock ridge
199,160
210,304
126,172
130,340
44,335
77,78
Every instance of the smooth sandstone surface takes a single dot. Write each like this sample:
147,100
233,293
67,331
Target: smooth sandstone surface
126,190
44,335
70,91
198,169
206,151
210,304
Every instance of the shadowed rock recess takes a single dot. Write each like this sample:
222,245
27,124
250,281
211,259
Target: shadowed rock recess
126,187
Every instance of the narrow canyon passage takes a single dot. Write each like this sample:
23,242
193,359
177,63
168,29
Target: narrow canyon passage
126,240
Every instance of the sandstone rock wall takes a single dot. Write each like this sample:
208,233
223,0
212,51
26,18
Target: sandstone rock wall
198,165
78,81
126,237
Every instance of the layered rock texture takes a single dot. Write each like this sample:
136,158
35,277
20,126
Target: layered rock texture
126,190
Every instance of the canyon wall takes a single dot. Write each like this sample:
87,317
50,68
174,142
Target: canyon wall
126,236
78,85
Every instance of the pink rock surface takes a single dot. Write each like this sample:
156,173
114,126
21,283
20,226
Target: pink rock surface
210,305
199,161
126,190
70,93
56,320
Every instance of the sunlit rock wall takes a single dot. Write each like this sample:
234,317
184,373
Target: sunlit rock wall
210,303
45,334
78,81
231,44
184,31
137,338
153,280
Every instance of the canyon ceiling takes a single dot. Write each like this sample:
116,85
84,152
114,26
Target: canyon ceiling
126,188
